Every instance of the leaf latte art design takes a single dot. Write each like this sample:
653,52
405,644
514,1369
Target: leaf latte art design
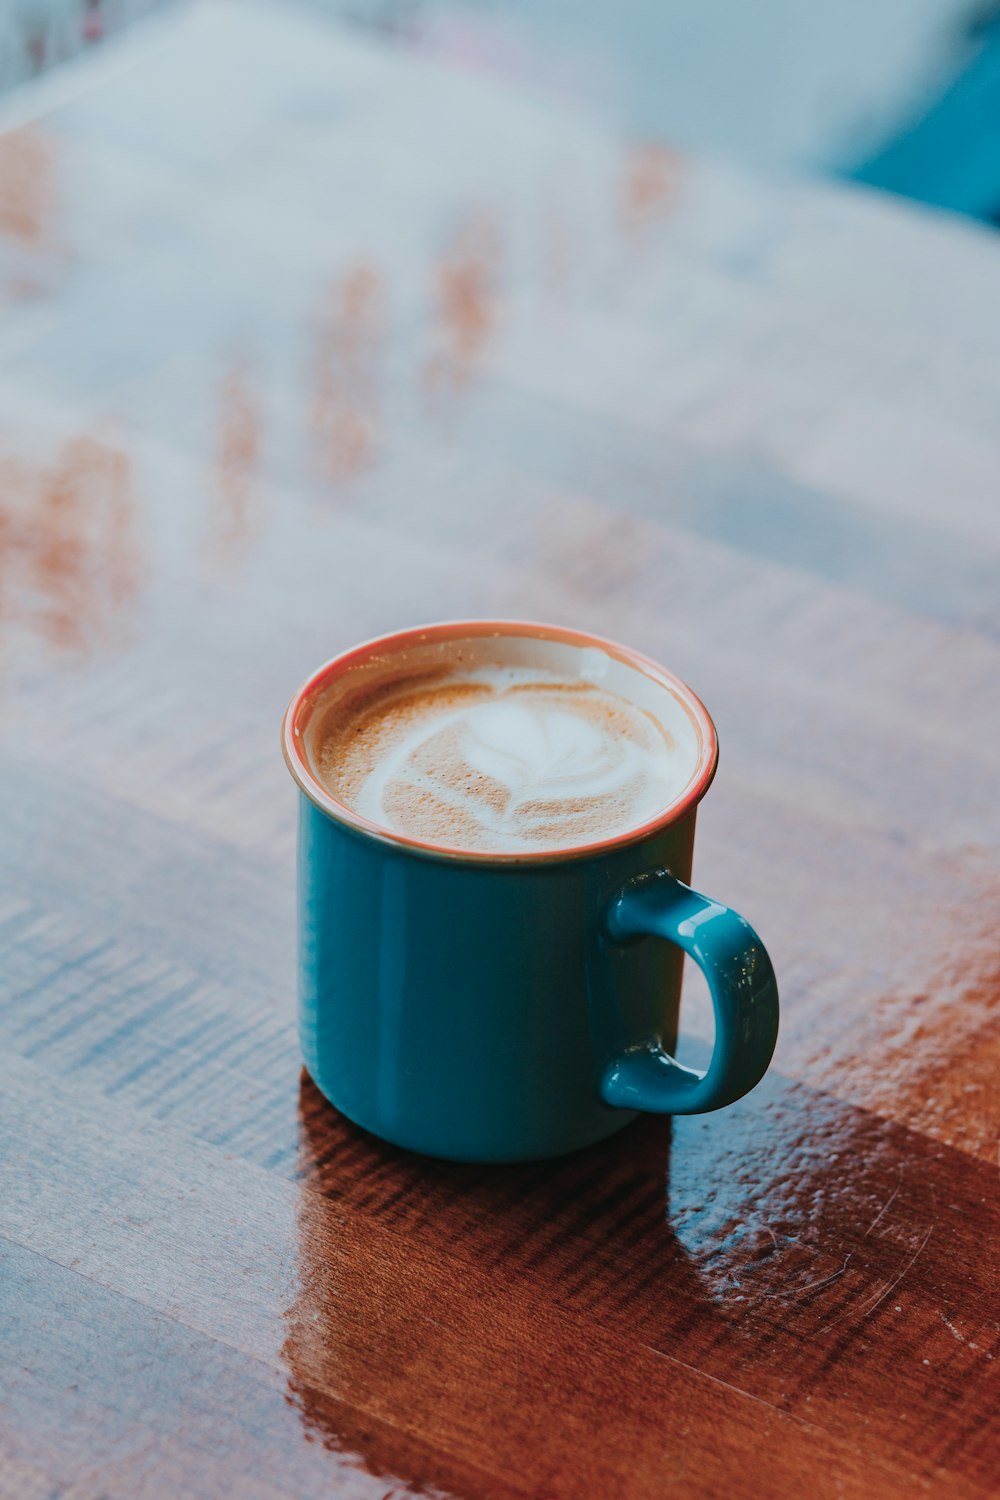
502,766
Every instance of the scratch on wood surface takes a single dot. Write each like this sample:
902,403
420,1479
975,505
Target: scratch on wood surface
466,301
347,407
960,1336
814,1286
789,1293
734,1275
27,186
867,1308
885,1206
71,549
238,454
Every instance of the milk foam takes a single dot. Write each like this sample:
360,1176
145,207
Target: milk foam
502,759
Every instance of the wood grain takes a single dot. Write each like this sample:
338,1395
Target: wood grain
335,341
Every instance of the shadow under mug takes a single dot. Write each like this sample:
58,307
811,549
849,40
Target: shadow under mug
507,1007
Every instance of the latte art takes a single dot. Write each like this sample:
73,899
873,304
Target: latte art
500,760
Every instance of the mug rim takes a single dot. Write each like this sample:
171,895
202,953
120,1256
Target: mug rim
293,745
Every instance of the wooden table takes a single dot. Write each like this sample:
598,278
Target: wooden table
304,340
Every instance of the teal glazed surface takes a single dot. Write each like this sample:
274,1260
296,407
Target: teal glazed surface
744,997
505,1012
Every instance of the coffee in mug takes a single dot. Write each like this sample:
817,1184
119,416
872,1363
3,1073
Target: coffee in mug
498,748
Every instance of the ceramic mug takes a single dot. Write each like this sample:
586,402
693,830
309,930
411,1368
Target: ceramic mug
506,1007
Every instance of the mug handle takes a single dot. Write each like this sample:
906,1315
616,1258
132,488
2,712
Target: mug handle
744,997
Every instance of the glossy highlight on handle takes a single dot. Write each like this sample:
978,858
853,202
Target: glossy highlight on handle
744,997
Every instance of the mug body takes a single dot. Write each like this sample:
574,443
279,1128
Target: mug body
468,1010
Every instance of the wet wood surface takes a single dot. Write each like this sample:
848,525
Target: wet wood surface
303,340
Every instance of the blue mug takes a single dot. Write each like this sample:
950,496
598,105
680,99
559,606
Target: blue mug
508,1007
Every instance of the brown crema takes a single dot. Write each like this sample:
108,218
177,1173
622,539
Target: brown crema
495,759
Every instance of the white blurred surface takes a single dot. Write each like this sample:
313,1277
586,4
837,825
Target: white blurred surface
787,82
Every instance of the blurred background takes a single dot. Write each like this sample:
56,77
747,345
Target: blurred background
901,94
